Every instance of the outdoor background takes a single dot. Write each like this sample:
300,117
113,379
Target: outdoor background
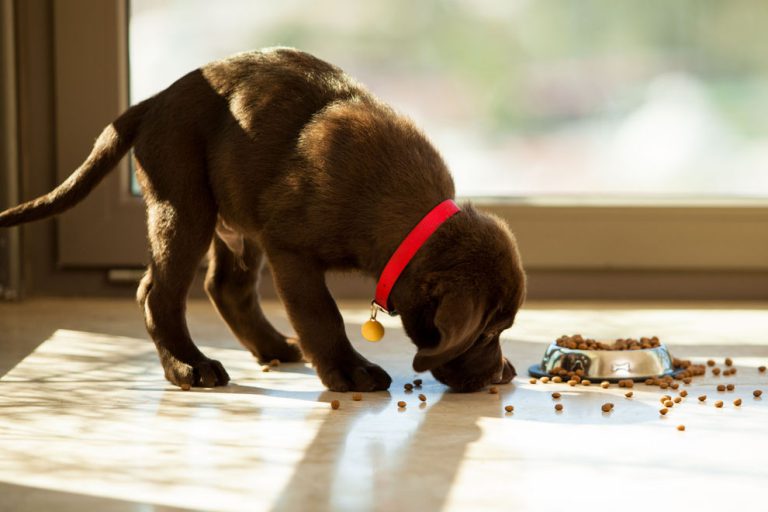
524,98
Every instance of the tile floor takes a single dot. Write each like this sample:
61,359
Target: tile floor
88,423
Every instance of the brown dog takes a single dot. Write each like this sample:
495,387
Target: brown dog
276,153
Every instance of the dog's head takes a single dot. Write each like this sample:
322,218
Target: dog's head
464,291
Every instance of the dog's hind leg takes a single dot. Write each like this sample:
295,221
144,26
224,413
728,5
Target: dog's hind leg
232,285
180,230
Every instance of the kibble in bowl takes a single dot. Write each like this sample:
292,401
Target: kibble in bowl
623,361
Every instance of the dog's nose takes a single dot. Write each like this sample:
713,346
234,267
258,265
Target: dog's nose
506,373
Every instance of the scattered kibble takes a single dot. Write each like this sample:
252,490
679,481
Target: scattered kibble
628,394
605,384
761,369
417,382
274,362
669,403
533,381
710,362
757,393
683,393
335,404
674,385
730,387
677,399
557,379
265,368
715,371
401,404
737,402
664,385
728,361
586,382
493,390
719,404
681,428
185,387
721,387
423,398
702,398
572,382
663,411
607,407
559,407
509,408
556,395
544,380
408,386
357,397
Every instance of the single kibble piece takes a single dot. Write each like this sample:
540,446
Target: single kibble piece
721,387
586,382
557,380
357,397
423,398
185,387
408,386
509,408
533,381
664,398
702,398
737,402
757,393
677,399
687,380
711,362
493,390
683,393
274,362
728,361
669,403
544,380
663,385
556,395
265,368
730,387
401,404
335,404
559,407
417,382
719,404
761,369
607,407
605,384
572,383
681,427
674,385
715,371
663,411
628,394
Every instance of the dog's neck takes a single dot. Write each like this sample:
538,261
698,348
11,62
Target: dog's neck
408,248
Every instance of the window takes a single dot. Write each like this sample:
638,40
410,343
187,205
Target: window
577,99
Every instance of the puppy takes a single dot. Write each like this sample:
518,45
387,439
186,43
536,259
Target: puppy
276,154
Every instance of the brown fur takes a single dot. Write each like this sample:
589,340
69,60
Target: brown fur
278,154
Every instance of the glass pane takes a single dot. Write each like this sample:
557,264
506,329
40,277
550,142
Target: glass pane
522,97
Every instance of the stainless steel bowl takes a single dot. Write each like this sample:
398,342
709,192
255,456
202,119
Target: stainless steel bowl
610,365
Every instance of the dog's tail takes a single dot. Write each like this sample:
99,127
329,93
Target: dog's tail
112,144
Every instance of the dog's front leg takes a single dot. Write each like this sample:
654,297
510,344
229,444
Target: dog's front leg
314,315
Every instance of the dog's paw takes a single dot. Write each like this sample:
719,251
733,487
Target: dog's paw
286,351
206,373
361,375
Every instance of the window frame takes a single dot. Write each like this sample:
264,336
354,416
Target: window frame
557,236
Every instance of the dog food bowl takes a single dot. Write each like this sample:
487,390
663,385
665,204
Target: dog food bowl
610,365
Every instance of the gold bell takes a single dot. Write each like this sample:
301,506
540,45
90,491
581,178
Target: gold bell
372,330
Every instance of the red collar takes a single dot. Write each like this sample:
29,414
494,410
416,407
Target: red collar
408,248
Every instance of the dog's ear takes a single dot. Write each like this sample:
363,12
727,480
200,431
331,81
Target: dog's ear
459,319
